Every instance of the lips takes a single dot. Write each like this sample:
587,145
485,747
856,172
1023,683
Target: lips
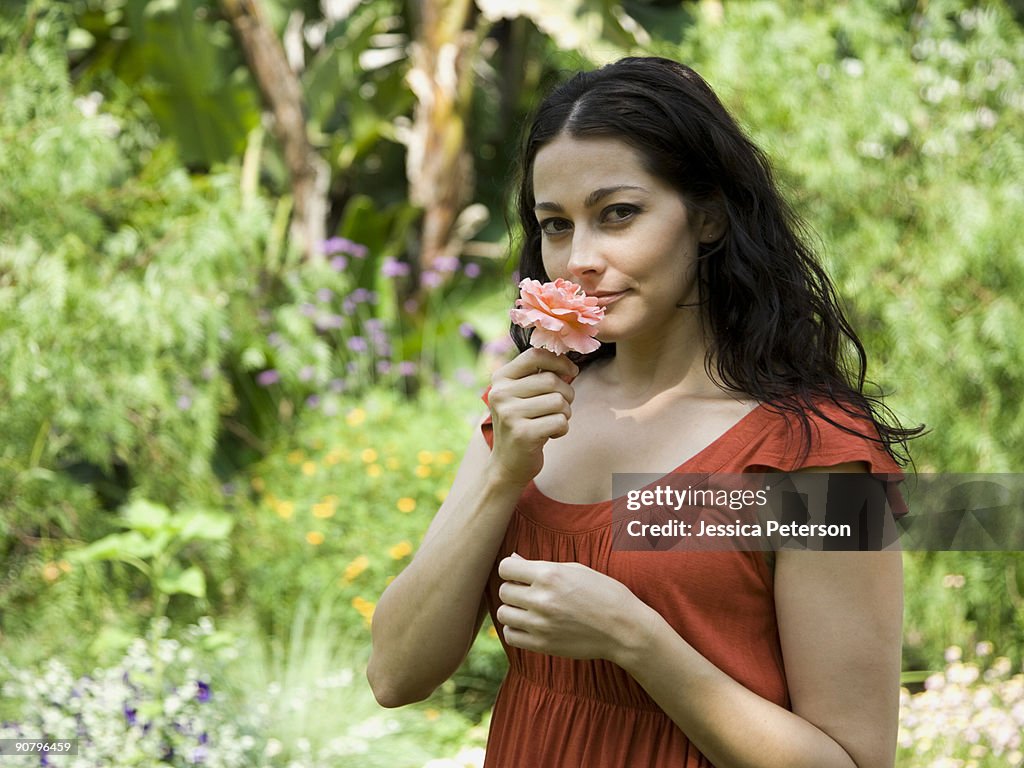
604,299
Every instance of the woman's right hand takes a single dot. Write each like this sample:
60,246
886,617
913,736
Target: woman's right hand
530,402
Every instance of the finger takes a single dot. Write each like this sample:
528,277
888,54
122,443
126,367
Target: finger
537,406
511,616
538,429
540,383
517,569
534,359
515,594
517,638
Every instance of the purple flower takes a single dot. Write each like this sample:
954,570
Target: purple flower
307,309
199,755
129,715
335,245
329,322
348,306
274,339
313,401
359,295
374,325
466,331
338,263
203,692
306,372
406,368
263,316
184,403
383,367
357,344
410,306
431,279
228,489
337,385
268,377
392,267
446,263
324,295
471,270
498,347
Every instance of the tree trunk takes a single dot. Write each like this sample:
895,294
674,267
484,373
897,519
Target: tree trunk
439,166
282,94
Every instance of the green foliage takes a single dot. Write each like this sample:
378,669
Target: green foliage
899,136
207,108
155,544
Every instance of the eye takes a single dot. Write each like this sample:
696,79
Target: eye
615,214
555,226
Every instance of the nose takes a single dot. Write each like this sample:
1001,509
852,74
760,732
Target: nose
584,255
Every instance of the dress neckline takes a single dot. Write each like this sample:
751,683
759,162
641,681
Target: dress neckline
729,435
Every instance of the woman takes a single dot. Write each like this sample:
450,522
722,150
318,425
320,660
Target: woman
722,351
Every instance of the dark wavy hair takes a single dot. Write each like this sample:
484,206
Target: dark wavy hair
775,327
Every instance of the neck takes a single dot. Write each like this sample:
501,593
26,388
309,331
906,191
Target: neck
672,360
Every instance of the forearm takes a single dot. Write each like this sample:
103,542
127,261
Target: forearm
730,724
424,622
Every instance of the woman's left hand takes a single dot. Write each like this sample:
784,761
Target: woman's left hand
567,609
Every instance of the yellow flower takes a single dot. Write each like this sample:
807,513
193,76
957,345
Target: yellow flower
400,550
374,470
431,714
309,468
51,572
285,509
406,504
296,457
492,632
258,484
323,510
65,566
368,456
422,471
445,457
331,499
357,566
355,417
392,463
424,457
332,457
315,538
364,607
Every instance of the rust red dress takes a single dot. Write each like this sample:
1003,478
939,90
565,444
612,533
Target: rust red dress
554,712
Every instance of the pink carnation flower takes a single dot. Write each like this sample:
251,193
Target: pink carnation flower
563,318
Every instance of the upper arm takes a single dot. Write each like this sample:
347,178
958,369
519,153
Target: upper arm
840,617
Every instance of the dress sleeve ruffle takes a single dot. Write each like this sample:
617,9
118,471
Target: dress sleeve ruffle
830,446
487,426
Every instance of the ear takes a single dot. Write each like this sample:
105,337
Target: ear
713,225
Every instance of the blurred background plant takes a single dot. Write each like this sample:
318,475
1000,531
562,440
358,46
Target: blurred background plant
264,289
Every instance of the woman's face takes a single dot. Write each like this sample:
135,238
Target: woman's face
624,235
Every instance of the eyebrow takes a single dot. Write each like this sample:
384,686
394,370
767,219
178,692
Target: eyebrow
594,197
